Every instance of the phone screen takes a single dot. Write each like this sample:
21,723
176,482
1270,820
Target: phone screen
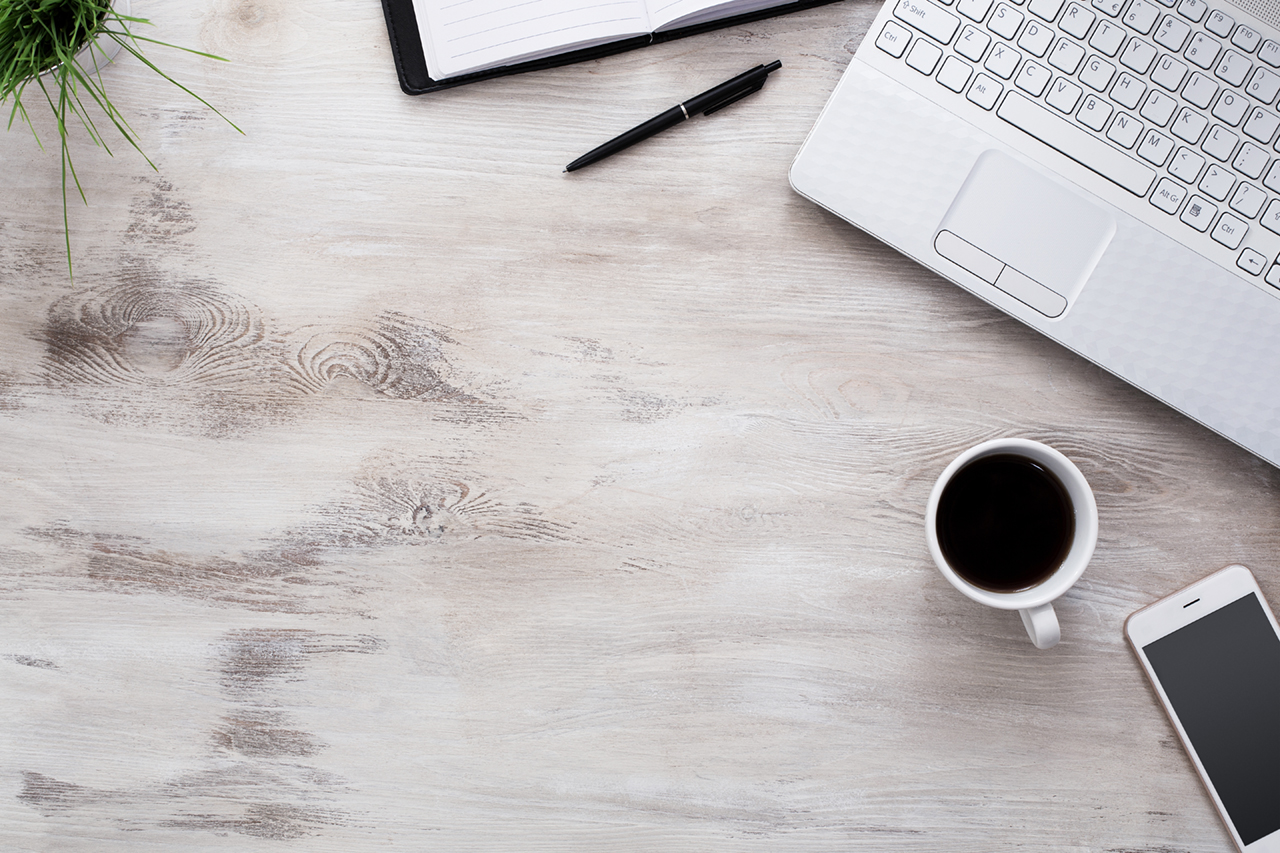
1222,676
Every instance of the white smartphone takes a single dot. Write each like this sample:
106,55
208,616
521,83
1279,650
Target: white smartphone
1212,652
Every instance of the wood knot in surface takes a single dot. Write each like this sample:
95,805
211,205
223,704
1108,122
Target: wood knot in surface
145,334
399,359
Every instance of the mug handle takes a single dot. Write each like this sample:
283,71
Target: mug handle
1042,626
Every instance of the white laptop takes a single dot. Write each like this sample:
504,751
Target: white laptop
1106,171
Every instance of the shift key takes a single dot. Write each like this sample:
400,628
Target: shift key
927,18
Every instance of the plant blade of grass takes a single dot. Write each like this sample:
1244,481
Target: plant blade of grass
152,66
41,38
134,36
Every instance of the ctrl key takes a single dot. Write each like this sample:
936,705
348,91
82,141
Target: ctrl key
893,39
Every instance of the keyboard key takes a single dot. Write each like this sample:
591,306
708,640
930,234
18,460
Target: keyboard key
924,56
1202,51
1264,85
1077,20
1077,144
1217,183
1063,95
1270,53
1230,108
1067,56
1033,79
1128,91
1272,180
1252,262
1199,214
1233,68
1251,160
1107,38
1138,55
954,74
1246,39
1271,219
1035,38
1261,125
1230,231
1172,33
1189,126
1193,10
1186,165
1219,143
1094,113
893,39
1159,108
1273,276
933,21
1155,148
985,92
1141,16
1169,73
1168,195
1109,7
974,10
1125,130
1003,61
1200,90
1046,9
1096,73
1248,200
972,43
1005,21
1219,23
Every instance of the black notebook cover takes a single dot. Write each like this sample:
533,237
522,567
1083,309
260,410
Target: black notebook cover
411,62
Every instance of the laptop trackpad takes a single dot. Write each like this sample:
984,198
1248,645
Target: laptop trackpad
1025,233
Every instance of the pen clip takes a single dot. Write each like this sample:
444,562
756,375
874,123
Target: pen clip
737,96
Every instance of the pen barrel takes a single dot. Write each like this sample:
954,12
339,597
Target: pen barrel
708,102
731,90
657,124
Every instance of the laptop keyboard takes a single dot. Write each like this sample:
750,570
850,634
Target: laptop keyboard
1171,100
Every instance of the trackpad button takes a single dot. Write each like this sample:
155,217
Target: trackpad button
1039,239
1031,292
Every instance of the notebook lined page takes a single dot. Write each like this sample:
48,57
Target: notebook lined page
670,14
467,35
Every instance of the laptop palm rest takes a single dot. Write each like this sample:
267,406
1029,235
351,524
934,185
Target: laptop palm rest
1028,235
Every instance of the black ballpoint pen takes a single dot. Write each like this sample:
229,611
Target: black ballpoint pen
706,103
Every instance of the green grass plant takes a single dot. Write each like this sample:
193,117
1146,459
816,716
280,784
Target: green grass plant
39,42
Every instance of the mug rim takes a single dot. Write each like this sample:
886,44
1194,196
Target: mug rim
1083,543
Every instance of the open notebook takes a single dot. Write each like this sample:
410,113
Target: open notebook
460,36
438,44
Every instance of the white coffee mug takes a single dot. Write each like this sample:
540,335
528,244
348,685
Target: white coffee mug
1034,603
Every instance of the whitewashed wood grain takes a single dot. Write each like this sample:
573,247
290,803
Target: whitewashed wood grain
377,486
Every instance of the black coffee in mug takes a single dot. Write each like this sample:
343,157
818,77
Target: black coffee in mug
1005,522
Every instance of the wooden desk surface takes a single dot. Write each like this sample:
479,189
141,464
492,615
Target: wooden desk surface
378,486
